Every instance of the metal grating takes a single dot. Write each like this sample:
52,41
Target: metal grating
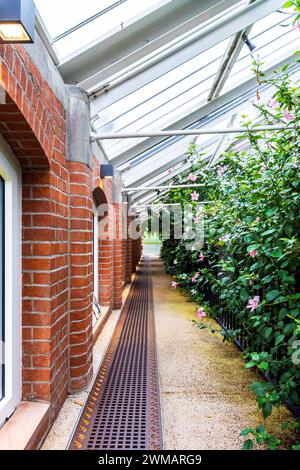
123,409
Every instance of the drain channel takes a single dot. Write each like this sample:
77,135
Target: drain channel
123,408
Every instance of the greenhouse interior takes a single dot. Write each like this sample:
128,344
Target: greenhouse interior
150,230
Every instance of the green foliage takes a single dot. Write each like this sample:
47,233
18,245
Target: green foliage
262,438
252,246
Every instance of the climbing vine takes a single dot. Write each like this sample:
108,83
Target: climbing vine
249,266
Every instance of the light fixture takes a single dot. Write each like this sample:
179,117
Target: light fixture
17,21
107,171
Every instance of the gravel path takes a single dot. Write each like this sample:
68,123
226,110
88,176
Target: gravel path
206,400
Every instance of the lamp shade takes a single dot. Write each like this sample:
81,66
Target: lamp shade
17,21
107,171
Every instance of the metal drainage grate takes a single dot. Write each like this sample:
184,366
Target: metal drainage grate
123,408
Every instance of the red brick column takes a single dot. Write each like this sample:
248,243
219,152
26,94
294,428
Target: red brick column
118,256
45,288
81,276
124,260
106,259
129,245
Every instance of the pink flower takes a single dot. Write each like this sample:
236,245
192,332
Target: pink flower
221,170
174,284
257,219
201,313
297,25
288,116
196,220
225,238
253,303
195,277
250,282
273,104
201,257
195,196
253,253
192,177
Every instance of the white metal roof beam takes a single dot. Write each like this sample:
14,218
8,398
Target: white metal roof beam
135,178
163,178
139,37
158,181
148,198
145,171
234,48
199,40
185,132
222,144
224,104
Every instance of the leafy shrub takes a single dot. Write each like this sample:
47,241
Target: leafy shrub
249,267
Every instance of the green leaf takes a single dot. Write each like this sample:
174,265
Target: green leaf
258,389
253,247
248,445
272,295
267,410
261,429
276,254
288,4
245,432
268,332
250,364
255,357
279,339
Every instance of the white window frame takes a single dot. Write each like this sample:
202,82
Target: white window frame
96,253
10,171
96,305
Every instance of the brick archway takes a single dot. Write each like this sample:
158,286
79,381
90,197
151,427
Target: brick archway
105,247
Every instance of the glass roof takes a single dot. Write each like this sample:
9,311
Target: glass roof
77,26
211,86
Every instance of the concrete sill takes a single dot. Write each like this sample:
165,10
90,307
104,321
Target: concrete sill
25,429
97,329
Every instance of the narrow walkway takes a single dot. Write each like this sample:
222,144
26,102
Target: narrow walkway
205,394
123,408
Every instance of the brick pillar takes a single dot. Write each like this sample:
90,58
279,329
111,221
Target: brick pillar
124,260
45,287
81,277
128,266
105,259
118,256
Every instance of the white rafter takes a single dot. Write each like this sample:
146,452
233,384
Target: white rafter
194,43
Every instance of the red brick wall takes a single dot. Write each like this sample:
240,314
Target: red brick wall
34,124
81,276
57,213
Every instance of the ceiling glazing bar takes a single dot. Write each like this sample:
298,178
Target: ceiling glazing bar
88,20
158,188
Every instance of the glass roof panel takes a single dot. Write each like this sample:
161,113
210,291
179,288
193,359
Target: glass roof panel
108,15
274,38
156,104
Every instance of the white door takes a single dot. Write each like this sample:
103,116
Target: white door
10,282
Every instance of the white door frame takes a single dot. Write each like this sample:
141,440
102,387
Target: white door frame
10,171
96,253
96,305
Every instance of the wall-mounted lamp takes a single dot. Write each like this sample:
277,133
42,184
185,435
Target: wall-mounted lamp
17,21
107,171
